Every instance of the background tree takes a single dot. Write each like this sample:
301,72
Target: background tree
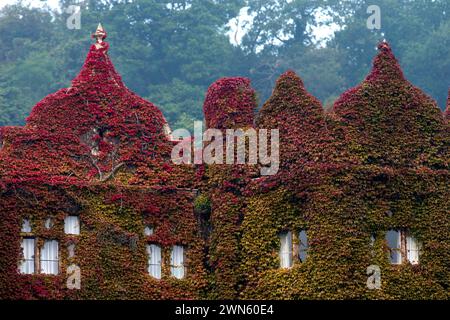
171,51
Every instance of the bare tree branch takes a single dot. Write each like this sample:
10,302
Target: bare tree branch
112,173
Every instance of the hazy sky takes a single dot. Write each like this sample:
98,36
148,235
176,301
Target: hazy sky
34,3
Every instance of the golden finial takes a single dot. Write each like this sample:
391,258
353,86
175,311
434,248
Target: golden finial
99,36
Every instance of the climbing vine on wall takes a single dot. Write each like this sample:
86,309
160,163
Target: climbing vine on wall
377,161
98,151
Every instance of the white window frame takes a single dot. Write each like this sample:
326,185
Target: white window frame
26,226
149,230
409,248
72,225
49,257
43,260
398,250
177,267
303,245
286,250
49,223
154,252
413,248
28,263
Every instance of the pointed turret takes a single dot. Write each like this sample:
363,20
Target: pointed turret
300,120
230,103
97,94
291,98
391,121
385,65
97,124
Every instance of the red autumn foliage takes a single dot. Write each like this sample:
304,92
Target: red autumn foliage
89,130
99,151
386,120
229,103
305,140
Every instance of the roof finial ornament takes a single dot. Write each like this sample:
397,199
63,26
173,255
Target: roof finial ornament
384,45
99,36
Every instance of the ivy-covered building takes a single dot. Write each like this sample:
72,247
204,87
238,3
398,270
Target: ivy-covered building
92,206
88,191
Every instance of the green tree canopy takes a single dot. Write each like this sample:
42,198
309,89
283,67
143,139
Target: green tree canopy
171,51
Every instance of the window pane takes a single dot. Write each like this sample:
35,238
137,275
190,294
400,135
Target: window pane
177,262
27,265
413,249
303,245
26,225
286,250
394,242
372,240
72,225
71,250
48,223
154,261
148,231
49,257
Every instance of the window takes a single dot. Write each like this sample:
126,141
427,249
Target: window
26,226
154,260
177,262
72,225
27,265
71,250
403,246
412,249
148,231
303,246
372,240
48,223
286,250
49,257
45,259
394,241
